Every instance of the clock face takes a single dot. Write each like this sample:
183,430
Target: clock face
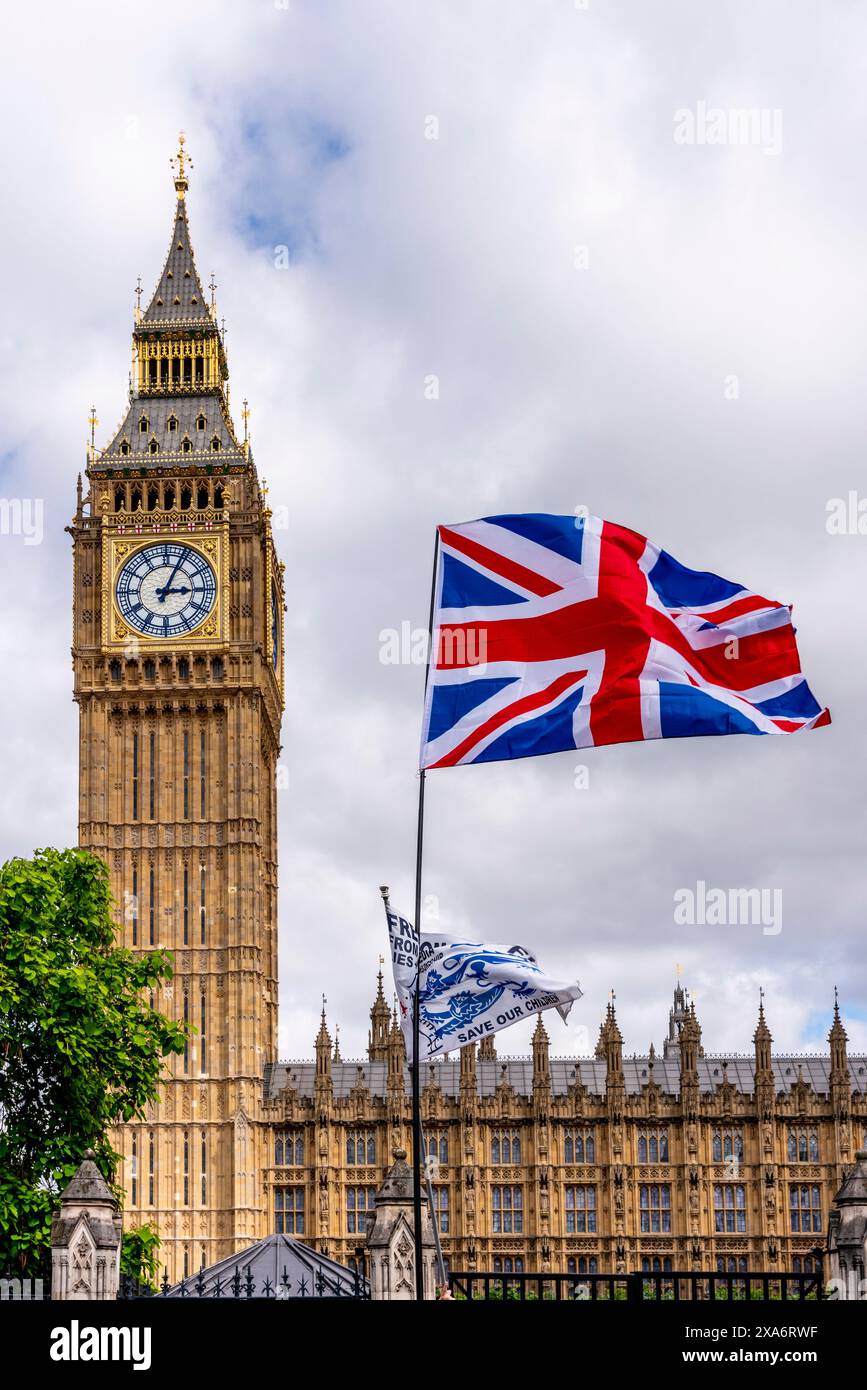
166,590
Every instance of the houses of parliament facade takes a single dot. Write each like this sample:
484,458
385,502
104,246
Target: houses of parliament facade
609,1163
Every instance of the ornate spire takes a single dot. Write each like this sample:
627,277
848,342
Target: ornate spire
468,1068
763,1032
762,1040
323,1044
838,1039
396,1054
690,1046
487,1050
179,297
541,1060
179,162
380,1021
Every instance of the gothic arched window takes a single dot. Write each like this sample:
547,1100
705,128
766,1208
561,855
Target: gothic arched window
802,1145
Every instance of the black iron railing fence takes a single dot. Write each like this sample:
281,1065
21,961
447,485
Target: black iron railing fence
673,1286
240,1285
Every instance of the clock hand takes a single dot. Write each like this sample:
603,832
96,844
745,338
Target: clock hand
167,589
179,590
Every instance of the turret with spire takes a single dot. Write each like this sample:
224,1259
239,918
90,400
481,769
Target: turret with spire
396,1056
764,1071
676,1019
324,1085
469,1082
380,1022
541,1066
839,1075
615,1084
180,369
690,1050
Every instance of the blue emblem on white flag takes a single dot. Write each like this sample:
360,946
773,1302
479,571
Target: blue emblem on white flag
468,989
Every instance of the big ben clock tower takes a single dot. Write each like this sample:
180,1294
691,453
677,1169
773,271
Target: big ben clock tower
178,670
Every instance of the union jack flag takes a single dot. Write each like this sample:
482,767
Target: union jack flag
559,632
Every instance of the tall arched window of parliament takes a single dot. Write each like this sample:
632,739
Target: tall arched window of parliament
802,1145
580,1210
437,1146
359,1201
360,1148
653,1147
656,1265
655,1206
288,1149
506,1146
507,1207
729,1207
289,1211
805,1208
441,1208
727,1143
579,1146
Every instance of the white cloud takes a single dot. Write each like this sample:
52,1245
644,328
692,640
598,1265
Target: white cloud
559,386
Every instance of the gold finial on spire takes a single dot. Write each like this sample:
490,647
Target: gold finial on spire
245,416
138,300
93,422
179,163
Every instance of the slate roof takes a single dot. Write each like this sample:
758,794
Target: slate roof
87,1184
179,281
518,1072
158,410
289,1266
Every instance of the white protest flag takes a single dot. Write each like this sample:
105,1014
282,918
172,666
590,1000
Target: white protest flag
468,989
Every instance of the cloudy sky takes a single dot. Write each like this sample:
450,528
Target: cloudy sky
670,333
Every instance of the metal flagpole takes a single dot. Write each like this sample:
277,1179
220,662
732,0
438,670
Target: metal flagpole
416,1089
441,1264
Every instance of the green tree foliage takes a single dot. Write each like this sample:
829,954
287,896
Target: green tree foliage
80,1048
139,1255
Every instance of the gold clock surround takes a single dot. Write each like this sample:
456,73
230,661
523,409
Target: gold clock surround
126,538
